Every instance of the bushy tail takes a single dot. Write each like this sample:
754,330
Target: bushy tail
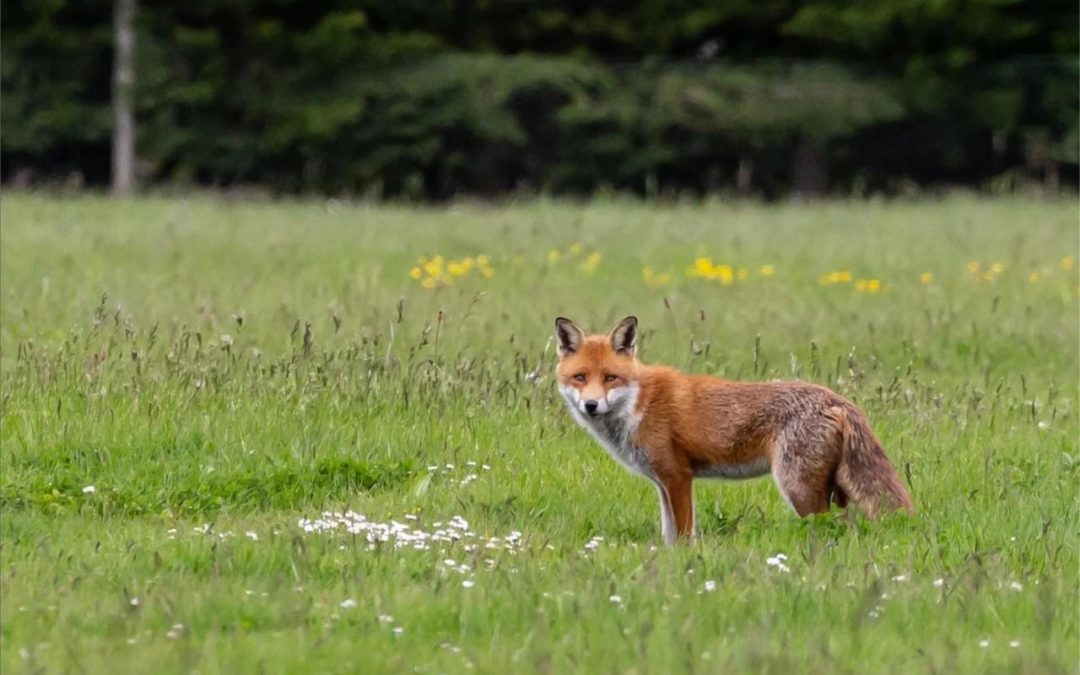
865,473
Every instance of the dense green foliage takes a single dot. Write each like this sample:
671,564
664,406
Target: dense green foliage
431,100
183,381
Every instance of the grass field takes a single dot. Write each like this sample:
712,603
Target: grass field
188,385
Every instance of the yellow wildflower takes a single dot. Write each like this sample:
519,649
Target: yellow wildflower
724,274
703,267
1033,277
654,280
767,270
554,255
468,263
839,277
973,267
577,248
873,285
927,278
415,273
993,271
428,282
1068,262
434,267
456,269
483,264
591,262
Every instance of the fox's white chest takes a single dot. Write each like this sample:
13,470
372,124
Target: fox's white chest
615,430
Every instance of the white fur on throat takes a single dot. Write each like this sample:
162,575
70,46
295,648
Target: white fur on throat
614,425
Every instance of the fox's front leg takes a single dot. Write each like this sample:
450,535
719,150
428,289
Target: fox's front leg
676,507
667,515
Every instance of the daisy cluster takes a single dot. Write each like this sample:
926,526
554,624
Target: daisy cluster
408,535
469,470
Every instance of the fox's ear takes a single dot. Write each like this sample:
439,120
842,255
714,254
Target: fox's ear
624,336
569,335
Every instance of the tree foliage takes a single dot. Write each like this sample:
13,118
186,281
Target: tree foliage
430,100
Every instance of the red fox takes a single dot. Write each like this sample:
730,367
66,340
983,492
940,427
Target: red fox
671,428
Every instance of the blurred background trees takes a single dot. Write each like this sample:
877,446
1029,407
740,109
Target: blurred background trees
429,100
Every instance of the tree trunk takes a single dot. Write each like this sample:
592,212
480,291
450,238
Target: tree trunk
744,176
809,169
123,149
1052,176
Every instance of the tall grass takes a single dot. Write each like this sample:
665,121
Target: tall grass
189,384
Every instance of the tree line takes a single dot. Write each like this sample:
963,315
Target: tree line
430,100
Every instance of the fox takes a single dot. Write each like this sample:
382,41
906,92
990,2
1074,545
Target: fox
671,427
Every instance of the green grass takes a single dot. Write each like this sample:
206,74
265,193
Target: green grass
216,369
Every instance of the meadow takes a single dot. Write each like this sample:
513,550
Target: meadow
324,437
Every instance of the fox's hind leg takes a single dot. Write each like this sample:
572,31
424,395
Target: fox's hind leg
805,457
836,493
804,493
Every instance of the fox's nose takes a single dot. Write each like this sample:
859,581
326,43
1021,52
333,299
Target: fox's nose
591,406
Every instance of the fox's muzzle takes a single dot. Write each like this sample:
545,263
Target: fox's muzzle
593,406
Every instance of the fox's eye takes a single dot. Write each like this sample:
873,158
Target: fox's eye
580,377
610,378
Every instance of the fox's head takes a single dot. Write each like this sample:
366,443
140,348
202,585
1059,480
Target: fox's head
598,373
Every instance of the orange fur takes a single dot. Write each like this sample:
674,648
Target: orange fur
672,427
